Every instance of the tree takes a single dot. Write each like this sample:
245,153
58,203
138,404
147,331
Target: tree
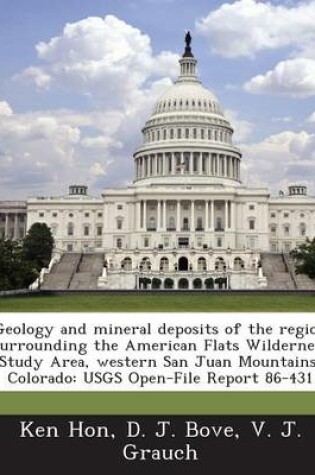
304,255
38,245
15,273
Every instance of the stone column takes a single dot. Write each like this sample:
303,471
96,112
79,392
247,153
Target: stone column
207,215
164,216
192,216
232,215
200,163
158,227
144,215
226,219
182,166
173,163
212,214
6,229
191,163
138,215
178,216
16,222
164,165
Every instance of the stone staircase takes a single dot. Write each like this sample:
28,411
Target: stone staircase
87,272
303,282
276,271
75,271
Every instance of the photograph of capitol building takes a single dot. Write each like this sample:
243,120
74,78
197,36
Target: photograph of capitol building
186,222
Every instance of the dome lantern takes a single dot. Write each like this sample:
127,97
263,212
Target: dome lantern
187,63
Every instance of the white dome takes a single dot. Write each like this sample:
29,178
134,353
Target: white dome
188,96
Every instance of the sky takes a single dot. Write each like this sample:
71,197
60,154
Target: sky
79,79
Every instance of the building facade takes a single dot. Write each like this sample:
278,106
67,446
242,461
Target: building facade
187,221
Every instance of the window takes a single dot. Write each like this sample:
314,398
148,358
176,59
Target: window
119,223
273,215
202,134
199,224
69,247
179,133
86,215
70,229
171,224
251,224
164,264
70,215
194,133
99,215
185,206
119,243
166,242
54,215
285,215
302,229
186,133
41,215
164,134
286,230
183,242
219,242
99,230
273,229
171,133
251,207
86,231
146,242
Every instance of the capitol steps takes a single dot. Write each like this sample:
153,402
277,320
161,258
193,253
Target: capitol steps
87,273
276,271
303,282
61,275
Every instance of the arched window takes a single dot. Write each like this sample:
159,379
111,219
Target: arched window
202,134
197,283
145,264
119,243
238,263
119,223
186,133
220,264
164,264
70,229
164,134
201,264
171,133
126,264
54,229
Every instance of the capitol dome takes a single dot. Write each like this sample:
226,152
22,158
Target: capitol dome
187,135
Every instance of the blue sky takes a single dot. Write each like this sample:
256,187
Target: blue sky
78,80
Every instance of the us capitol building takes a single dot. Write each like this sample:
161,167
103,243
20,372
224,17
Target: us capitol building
187,221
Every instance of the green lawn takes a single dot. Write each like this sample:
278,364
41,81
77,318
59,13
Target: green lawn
161,303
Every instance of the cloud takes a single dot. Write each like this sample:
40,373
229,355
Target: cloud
280,159
5,109
105,57
113,64
242,128
245,27
293,77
